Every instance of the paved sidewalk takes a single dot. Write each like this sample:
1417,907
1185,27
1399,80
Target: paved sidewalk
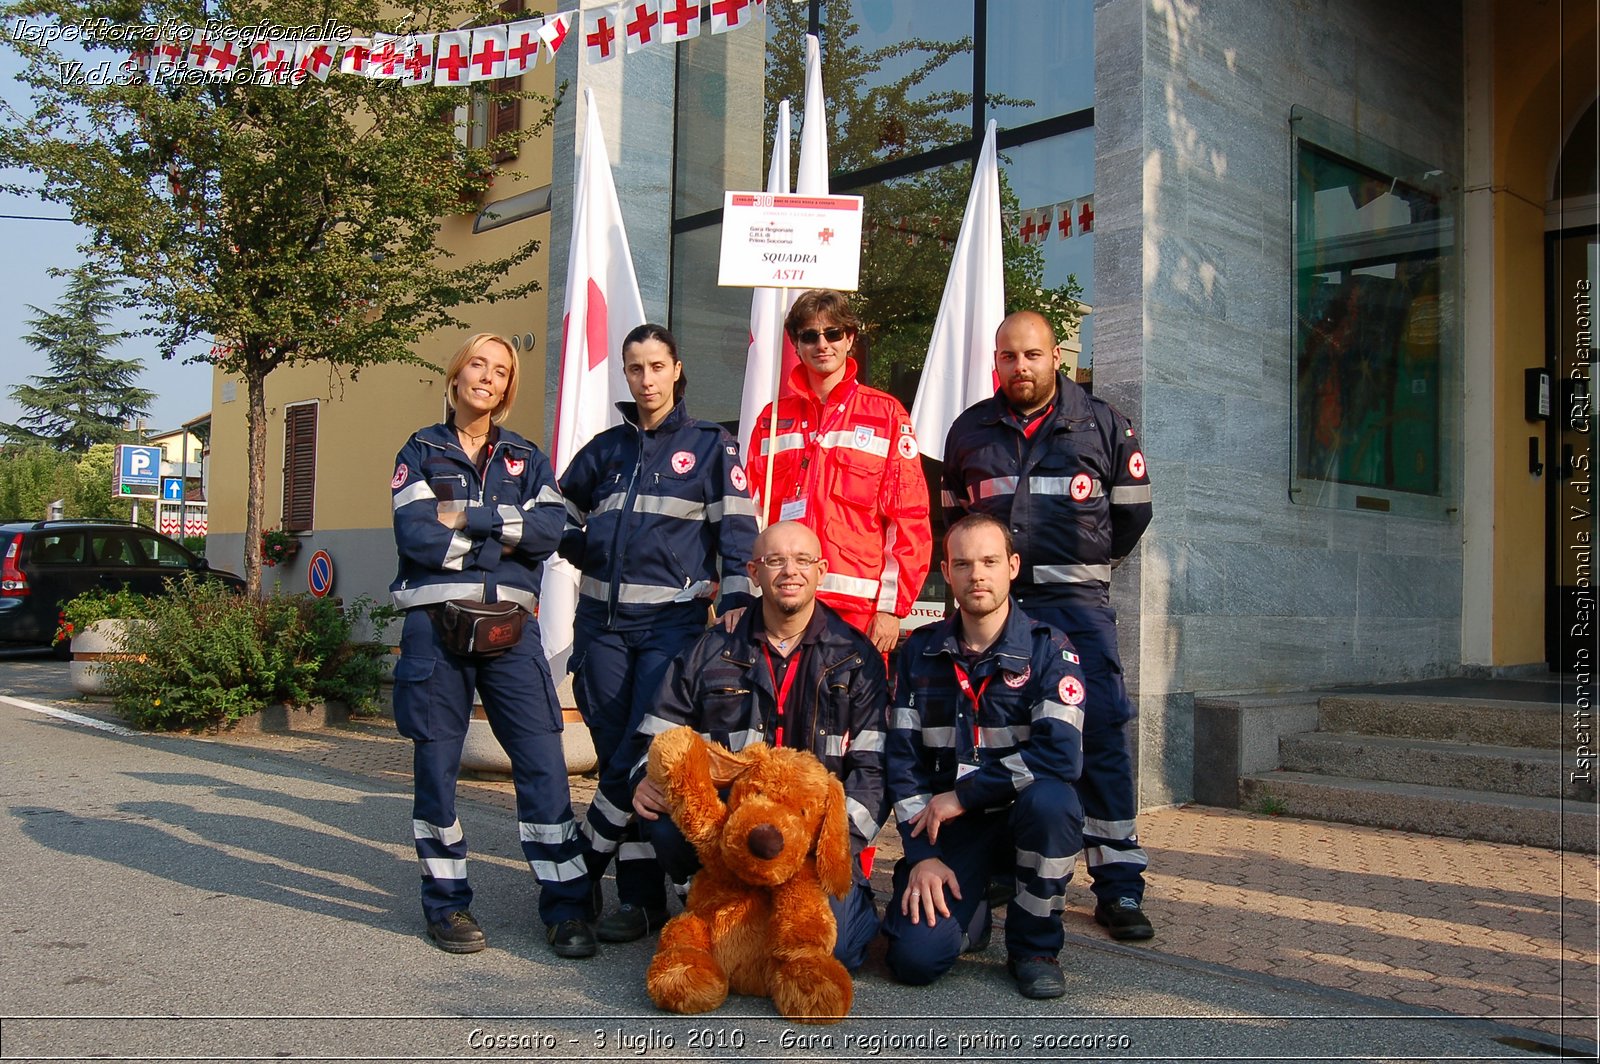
1505,933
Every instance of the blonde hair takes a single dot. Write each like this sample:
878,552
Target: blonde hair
458,362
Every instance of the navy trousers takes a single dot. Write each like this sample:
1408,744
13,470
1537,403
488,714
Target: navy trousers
432,704
1112,852
1038,837
856,915
615,677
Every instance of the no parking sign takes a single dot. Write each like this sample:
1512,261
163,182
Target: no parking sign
319,573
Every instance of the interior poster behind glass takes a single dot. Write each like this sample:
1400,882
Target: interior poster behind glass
1371,338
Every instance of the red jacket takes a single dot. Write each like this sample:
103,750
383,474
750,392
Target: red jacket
852,474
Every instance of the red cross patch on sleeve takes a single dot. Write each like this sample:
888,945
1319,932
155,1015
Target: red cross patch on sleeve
400,475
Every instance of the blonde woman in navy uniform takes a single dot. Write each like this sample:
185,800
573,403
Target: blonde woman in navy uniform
476,513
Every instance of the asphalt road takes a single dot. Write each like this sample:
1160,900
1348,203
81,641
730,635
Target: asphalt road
172,898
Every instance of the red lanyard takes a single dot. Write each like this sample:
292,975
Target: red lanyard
783,688
965,682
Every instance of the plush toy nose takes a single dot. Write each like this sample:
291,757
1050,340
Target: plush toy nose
766,841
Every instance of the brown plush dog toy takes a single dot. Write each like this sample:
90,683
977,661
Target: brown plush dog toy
757,919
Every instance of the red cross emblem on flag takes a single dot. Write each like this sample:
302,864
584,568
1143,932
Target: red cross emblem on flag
825,235
641,27
450,68
515,466
1086,217
1071,690
1081,486
224,58
1136,465
682,462
1029,227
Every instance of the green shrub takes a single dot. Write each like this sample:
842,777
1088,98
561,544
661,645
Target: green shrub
98,605
209,656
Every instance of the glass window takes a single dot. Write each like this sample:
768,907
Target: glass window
58,548
712,324
1040,60
1375,253
165,553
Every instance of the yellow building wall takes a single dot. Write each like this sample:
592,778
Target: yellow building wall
362,423
1535,44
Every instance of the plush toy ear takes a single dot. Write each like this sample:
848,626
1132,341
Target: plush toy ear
833,843
727,766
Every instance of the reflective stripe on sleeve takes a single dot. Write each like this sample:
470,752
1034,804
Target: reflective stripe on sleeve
988,489
1073,715
1005,738
549,496
861,818
456,556
1130,494
868,740
731,506
854,586
1062,486
907,808
510,525
1071,574
787,441
416,491
1021,774
944,738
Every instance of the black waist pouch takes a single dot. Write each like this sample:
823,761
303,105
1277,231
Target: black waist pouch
478,629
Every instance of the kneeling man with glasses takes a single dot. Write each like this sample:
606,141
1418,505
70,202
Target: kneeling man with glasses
789,673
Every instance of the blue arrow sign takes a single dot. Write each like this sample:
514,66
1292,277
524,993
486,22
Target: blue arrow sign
172,489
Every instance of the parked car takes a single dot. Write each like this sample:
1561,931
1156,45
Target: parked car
45,563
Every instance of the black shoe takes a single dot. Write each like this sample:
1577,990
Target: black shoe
570,938
630,923
458,932
1037,977
1001,890
1124,920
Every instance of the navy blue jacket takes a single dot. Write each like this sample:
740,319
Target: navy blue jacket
649,514
514,518
1076,495
1029,723
837,702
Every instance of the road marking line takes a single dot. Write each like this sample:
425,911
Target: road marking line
71,718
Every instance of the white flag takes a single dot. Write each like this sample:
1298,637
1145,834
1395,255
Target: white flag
641,22
418,65
554,31
960,366
522,46
727,15
315,58
765,355
603,305
680,20
452,58
384,62
600,33
353,60
489,53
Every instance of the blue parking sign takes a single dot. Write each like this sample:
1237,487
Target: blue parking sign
138,471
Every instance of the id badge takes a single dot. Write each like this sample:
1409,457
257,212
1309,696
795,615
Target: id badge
964,769
793,510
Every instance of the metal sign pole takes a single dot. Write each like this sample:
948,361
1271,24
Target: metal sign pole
772,428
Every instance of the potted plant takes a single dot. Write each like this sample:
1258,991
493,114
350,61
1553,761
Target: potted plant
95,624
278,546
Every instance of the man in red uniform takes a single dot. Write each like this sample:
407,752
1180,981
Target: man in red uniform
845,464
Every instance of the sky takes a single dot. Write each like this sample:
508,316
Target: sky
33,249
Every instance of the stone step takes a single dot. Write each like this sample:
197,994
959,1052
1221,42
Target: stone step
1433,762
1539,725
1546,822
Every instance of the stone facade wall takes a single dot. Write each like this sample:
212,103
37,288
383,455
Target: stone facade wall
1237,588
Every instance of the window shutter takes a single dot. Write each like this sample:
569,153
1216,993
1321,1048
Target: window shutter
299,466
505,115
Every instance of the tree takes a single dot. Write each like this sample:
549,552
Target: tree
286,223
34,476
910,223
88,397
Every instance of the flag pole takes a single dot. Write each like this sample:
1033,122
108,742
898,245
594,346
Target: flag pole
772,427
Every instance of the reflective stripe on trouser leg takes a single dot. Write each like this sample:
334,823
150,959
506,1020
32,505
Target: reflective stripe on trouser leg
1112,854
1045,831
441,844
616,685
520,701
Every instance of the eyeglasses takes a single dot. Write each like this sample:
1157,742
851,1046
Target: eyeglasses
778,562
833,333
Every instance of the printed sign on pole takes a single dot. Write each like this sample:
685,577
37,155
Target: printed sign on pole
772,240
138,471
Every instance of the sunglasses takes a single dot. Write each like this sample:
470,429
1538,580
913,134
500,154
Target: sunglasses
833,334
